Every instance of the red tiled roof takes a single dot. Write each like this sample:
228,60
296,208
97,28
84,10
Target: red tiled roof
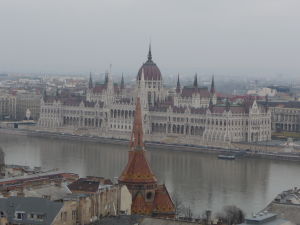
163,203
139,205
189,91
84,185
99,88
137,169
233,109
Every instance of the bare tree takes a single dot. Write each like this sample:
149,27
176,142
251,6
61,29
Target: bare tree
231,215
187,212
177,203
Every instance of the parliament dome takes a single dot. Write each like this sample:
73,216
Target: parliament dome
151,70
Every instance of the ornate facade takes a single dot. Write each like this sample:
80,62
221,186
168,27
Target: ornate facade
187,115
285,115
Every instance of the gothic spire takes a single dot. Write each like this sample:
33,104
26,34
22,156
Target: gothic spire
137,142
149,54
90,82
122,82
178,87
212,87
195,81
106,78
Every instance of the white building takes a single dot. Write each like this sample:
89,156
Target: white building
191,115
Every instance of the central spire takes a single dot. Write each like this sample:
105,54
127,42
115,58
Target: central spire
90,81
178,87
212,87
149,54
195,81
137,142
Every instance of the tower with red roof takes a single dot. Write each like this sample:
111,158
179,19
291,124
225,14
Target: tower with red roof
148,197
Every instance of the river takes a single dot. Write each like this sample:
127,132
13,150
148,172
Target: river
200,180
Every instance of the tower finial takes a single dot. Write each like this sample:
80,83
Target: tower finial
137,132
122,82
90,81
178,87
149,53
196,81
212,87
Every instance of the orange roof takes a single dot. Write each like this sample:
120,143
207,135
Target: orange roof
137,169
163,203
139,205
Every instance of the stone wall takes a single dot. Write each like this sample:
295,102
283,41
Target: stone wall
287,211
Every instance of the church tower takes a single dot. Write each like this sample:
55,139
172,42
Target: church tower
148,198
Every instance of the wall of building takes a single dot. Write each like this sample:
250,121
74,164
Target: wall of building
7,107
285,119
29,101
125,200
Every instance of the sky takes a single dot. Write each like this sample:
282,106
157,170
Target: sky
241,37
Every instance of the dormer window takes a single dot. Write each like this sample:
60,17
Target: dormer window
2,214
20,215
40,217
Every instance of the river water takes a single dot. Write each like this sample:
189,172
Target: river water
200,180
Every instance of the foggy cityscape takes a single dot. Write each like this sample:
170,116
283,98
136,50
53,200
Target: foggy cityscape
162,112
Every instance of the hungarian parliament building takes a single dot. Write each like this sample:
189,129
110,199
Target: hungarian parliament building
180,115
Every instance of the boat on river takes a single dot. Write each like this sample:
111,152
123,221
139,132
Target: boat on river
228,157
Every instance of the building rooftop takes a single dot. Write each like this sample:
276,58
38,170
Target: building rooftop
89,184
19,210
291,196
266,218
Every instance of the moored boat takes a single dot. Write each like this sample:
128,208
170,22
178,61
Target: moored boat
229,157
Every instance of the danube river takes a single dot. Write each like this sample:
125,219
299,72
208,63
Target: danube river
200,180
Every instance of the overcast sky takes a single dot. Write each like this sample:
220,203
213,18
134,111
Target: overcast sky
204,36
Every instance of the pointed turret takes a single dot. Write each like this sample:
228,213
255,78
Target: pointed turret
106,78
122,82
148,198
178,87
137,135
149,54
90,82
212,87
138,170
195,85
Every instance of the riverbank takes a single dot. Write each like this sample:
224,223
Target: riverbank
158,146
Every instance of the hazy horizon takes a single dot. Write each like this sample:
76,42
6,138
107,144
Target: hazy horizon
222,37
